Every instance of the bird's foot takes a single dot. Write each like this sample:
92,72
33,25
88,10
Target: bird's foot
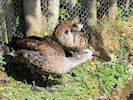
47,86
34,87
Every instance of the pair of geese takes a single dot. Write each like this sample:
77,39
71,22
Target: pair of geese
47,56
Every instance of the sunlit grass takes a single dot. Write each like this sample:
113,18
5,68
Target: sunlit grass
81,83
78,84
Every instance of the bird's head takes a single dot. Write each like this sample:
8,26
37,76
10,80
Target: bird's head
86,53
76,27
70,35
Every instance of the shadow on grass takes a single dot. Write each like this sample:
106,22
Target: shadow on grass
17,69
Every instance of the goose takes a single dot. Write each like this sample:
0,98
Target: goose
46,59
70,36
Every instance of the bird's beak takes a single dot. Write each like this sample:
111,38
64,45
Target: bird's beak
77,27
95,54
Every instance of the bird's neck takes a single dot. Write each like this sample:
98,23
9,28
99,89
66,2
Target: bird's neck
72,62
76,61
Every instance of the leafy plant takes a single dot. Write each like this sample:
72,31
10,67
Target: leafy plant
110,75
17,21
63,15
78,84
122,53
123,12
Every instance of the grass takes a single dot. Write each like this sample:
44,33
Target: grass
78,84
112,77
88,81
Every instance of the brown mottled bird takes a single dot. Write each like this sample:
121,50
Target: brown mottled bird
70,36
48,57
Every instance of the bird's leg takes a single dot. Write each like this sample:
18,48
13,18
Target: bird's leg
46,84
34,87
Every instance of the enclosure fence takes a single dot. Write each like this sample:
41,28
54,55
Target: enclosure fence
12,21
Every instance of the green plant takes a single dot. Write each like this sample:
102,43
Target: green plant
98,5
17,21
122,53
78,84
120,13
63,15
110,75
123,12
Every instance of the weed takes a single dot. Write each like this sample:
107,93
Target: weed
63,15
110,75
122,53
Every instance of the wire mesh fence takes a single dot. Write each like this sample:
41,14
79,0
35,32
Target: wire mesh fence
12,21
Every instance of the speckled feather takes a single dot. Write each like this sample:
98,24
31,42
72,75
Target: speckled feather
68,40
42,45
46,59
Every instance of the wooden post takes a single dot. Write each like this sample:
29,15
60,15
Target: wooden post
74,5
127,7
112,12
127,4
53,15
33,18
92,14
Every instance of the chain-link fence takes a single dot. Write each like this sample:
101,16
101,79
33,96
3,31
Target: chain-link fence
125,7
12,21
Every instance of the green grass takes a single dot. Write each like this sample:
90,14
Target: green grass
78,84
85,82
81,83
110,75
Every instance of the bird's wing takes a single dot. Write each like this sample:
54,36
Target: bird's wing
28,43
44,46
32,57
34,45
54,45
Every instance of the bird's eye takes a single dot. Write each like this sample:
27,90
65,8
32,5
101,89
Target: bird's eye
74,25
82,30
66,32
86,52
